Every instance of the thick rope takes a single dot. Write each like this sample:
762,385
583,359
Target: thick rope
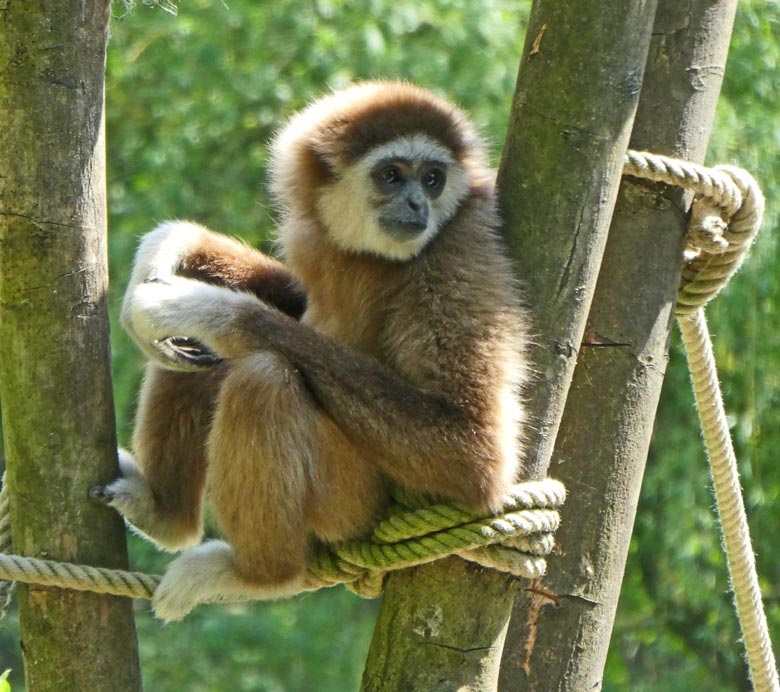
725,218
736,536
515,541
6,546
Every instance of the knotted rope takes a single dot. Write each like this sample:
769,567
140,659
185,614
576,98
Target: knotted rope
414,533
725,217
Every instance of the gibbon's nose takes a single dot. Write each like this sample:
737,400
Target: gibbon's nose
417,202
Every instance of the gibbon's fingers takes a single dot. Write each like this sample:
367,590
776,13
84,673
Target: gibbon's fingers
166,318
187,350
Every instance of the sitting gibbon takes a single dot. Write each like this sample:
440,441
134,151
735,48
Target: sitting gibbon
388,348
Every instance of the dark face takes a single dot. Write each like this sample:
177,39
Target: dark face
405,190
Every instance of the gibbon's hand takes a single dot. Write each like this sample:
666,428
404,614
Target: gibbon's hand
159,256
133,497
179,323
179,257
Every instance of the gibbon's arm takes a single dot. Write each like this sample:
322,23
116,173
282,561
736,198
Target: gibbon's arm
185,249
420,439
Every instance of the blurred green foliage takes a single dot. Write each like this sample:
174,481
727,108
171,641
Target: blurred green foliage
192,101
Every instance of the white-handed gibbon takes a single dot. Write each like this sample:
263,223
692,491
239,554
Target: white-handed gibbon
388,348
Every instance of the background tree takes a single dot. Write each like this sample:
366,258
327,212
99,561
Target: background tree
191,103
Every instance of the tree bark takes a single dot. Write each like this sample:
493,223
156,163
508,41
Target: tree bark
442,626
55,378
561,625
574,104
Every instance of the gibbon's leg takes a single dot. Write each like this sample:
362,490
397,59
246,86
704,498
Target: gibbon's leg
273,459
160,491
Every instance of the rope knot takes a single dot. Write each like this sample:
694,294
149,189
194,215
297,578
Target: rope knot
725,217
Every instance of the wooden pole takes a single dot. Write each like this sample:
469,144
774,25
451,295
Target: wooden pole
55,377
561,625
442,626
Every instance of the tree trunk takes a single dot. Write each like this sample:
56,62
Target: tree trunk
561,625
442,626
55,378
574,103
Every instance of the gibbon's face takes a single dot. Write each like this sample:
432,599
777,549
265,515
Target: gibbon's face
395,199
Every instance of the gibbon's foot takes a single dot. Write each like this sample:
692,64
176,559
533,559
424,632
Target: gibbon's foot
207,574
186,351
132,497
130,494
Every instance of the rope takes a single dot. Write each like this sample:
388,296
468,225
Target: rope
515,542
736,536
6,546
725,218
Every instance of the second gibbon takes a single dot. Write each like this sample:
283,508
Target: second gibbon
388,348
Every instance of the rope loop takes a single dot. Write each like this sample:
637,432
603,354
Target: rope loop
515,541
725,217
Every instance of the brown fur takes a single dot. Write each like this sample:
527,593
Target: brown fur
169,444
398,370
399,110
223,261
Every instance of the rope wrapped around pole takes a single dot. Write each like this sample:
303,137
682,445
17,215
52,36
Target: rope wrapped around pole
414,533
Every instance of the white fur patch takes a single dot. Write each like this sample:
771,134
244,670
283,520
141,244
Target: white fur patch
161,251
351,219
510,417
206,574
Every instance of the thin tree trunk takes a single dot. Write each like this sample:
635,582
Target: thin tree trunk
55,378
561,625
442,626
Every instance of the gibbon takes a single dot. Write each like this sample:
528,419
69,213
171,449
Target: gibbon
389,348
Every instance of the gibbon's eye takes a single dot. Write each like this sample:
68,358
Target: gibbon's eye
433,180
391,175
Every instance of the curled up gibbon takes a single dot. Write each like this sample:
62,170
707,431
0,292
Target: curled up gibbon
388,348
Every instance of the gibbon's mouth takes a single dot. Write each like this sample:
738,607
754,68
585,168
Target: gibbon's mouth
403,229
